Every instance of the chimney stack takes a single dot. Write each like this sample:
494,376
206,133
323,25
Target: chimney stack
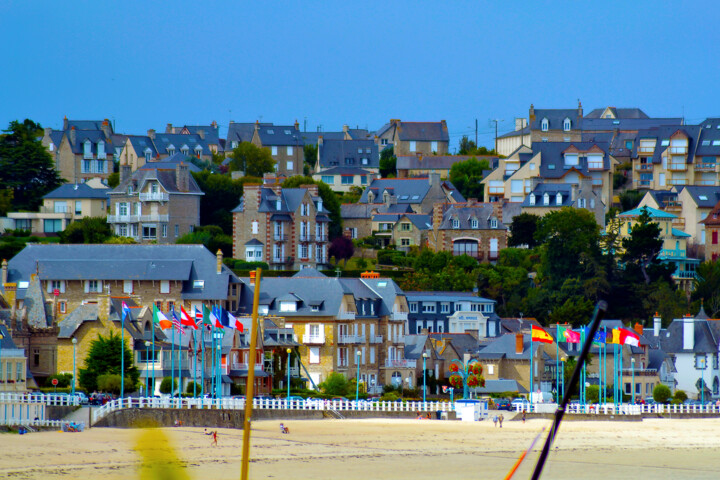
201,134
519,343
182,177
125,172
219,261
434,179
4,271
151,134
65,123
657,324
106,128
252,277
346,128
688,332
213,124
532,113
73,135
169,128
580,110
47,131
573,193
297,125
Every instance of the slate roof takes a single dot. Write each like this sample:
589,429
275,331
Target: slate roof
311,138
241,132
85,124
290,200
94,136
705,196
172,161
73,321
333,153
344,171
555,118
709,141
166,177
664,133
552,189
461,342
504,347
662,197
6,342
633,124
552,160
671,341
464,213
430,162
78,191
516,133
184,263
163,141
516,324
365,210
406,190
38,312
212,134
500,385
437,296
632,112
280,135
140,143
422,131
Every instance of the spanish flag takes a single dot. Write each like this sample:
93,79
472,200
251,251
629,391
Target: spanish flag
540,335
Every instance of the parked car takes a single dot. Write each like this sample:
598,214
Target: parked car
649,400
84,400
502,404
521,402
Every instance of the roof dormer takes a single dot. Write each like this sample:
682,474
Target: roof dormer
567,124
558,199
546,199
544,124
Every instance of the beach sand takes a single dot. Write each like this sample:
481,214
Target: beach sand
367,449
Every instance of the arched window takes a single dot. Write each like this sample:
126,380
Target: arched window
558,199
716,386
465,247
546,199
566,125
544,125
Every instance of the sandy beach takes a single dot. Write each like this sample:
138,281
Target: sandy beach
366,449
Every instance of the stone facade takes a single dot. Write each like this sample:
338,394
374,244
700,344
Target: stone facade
82,150
410,138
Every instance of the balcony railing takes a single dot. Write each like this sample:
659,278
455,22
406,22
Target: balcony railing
595,165
94,167
321,238
154,197
154,218
239,366
313,339
677,181
346,316
677,167
679,150
123,218
283,260
280,238
351,339
705,182
376,338
646,149
400,363
644,166
705,166
672,253
399,316
496,190
685,274
304,237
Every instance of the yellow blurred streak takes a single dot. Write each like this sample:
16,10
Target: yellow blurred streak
159,461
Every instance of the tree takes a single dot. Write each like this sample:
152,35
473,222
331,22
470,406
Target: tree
707,287
310,152
388,162
644,244
522,230
341,248
194,387
222,195
466,177
335,384
104,358
212,237
167,385
468,147
113,179
680,396
87,230
26,167
252,160
330,201
110,383
661,393
6,200
630,199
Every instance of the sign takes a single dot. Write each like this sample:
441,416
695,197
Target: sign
56,292
54,382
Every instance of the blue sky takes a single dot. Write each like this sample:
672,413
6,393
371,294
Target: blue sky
145,64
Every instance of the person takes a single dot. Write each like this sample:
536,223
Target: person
207,433
495,420
419,416
523,417
284,429
214,436
500,420
428,416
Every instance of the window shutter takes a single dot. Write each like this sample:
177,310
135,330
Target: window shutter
87,286
49,286
99,286
62,286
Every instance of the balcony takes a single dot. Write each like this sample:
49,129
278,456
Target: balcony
397,339
646,149
672,253
644,183
280,238
123,218
685,274
595,166
672,206
321,238
283,260
154,197
399,316
294,371
705,182
239,366
304,237
93,166
678,150
345,339
677,167
376,338
496,190
346,316
677,181
154,218
705,167
313,339
644,167
400,363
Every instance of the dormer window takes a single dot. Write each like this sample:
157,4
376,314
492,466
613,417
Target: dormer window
87,149
171,150
532,199
571,159
130,189
566,125
148,154
546,199
493,223
474,223
198,150
544,125
558,199
184,149
581,203
288,306
455,223
234,144
101,149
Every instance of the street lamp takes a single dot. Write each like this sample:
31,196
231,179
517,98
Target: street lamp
288,368
74,342
425,356
217,358
357,376
219,376
563,359
147,368
632,364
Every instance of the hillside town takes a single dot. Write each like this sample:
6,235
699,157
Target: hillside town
386,254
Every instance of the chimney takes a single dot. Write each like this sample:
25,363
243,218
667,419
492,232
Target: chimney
251,196
519,124
65,123
638,328
657,324
213,124
424,331
125,172
182,177
471,201
498,211
252,277
219,255
519,341
151,134
169,128
531,116
573,193
688,332
297,125
320,140
443,125
106,128
4,272
580,110
201,134
434,179
346,129
47,131
73,136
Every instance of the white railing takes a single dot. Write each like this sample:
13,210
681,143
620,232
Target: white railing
123,218
351,339
45,398
269,404
346,316
622,409
376,338
401,363
154,197
313,338
399,315
154,218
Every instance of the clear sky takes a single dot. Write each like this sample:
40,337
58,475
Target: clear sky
144,64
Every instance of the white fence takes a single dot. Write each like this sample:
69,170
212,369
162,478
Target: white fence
269,404
622,409
44,398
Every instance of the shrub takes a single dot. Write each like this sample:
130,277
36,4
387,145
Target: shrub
189,390
63,379
335,384
661,393
167,384
109,383
679,395
243,265
592,394
389,397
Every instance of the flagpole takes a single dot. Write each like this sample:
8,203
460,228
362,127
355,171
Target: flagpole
153,359
202,359
122,355
557,361
615,376
620,373
212,360
531,371
194,356
172,364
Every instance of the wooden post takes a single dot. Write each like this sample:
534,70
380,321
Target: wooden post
250,384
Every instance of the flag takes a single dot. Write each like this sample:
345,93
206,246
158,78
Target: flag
629,337
540,335
615,336
599,337
206,318
177,323
225,318
571,336
160,318
185,319
215,318
235,322
125,311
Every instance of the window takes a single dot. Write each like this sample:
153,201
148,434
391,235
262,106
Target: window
288,306
433,146
78,207
665,143
314,354
289,151
405,242
455,223
571,159
474,223
60,206
558,199
629,144
52,225
164,286
93,286
273,151
127,286
493,223
566,125
413,146
328,179
185,149
428,308
532,199
706,143
546,199
290,165
347,179
164,230
465,247
148,155
413,307
405,227
364,161
177,230
149,232
700,362
581,203
716,143
544,124
255,226
363,179
444,308
62,306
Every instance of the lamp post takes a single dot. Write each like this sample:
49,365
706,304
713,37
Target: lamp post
563,359
74,342
632,365
219,374
357,376
425,356
288,368
217,358
147,368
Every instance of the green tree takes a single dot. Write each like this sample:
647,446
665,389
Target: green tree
630,199
194,387
212,237
252,160
222,195
113,179
707,287
26,167
335,384
522,230
167,385
310,152
643,245
680,396
466,177
388,162
6,200
104,358
110,382
468,147
330,201
661,393
87,230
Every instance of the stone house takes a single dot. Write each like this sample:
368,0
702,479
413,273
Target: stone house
64,205
341,323
285,143
357,217
209,133
452,312
419,193
470,228
555,125
403,230
347,153
13,364
141,149
549,197
342,179
155,204
409,138
284,227
419,165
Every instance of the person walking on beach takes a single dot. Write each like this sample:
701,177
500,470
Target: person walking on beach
214,436
523,417
495,420
500,420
